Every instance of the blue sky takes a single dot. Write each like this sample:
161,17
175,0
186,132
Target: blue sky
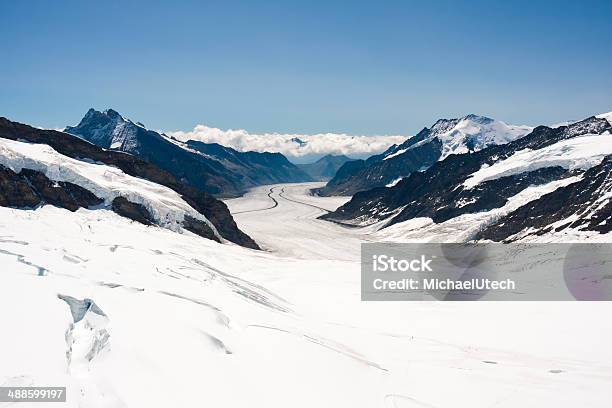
388,67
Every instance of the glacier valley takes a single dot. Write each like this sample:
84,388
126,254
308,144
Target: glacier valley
129,315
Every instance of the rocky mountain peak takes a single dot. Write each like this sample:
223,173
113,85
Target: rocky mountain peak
443,126
478,118
113,114
107,129
591,125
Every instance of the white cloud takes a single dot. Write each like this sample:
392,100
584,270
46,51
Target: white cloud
292,145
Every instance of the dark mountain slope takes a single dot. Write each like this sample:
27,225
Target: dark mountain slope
218,170
447,136
325,168
377,172
439,193
584,205
254,168
30,188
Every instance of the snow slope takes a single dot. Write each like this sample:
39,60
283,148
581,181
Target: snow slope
165,205
581,152
182,321
606,116
464,227
480,132
418,153
469,133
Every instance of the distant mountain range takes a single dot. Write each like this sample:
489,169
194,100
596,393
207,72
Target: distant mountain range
213,168
446,137
325,168
471,178
48,167
553,180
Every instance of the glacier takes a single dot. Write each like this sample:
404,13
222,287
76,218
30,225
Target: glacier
184,321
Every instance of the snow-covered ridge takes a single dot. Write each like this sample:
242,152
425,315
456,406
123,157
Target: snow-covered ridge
396,153
166,206
394,182
469,133
606,116
581,152
464,227
473,133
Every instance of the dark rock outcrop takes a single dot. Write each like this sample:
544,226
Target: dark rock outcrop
16,191
584,199
133,211
30,188
199,228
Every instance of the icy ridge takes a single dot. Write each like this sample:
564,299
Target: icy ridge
465,227
582,152
468,134
166,206
606,116
473,133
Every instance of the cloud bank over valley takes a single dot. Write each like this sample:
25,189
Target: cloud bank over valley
297,147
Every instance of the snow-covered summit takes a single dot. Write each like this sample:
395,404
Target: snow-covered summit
472,133
606,116
464,194
467,134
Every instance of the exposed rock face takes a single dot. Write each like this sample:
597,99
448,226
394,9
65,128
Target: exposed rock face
213,168
15,190
61,194
138,213
439,192
374,172
30,188
71,146
254,168
110,130
218,214
487,196
133,211
585,205
198,227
